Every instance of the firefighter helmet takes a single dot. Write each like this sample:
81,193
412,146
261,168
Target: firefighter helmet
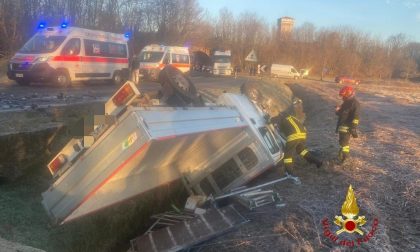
346,92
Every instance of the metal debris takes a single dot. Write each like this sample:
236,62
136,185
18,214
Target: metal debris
186,233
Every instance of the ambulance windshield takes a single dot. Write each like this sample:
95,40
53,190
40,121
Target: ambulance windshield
42,44
151,56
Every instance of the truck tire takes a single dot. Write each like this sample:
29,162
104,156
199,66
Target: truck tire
62,78
23,82
175,84
117,78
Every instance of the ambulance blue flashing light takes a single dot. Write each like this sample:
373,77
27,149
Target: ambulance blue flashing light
64,25
42,25
127,35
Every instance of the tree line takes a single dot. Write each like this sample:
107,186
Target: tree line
326,51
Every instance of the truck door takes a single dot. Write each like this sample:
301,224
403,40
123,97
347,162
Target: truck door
70,56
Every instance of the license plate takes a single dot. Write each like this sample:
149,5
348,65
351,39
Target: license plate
19,75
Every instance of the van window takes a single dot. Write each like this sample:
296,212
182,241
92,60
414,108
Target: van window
269,140
42,44
151,56
72,47
105,49
180,58
248,158
117,50
226,174
94,48
206,187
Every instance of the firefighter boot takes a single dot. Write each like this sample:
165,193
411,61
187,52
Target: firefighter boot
313,159
342,156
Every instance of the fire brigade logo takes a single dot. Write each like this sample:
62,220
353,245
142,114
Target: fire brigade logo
350,210
350,223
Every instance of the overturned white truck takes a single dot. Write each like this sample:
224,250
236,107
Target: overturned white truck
211,148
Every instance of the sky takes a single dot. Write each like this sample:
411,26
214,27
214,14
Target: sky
380,18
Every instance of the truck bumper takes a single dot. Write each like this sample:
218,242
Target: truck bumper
222,72
30,72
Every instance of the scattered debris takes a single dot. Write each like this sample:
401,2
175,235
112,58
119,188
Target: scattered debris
187,232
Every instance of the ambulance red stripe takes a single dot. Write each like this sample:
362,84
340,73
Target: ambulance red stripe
90,59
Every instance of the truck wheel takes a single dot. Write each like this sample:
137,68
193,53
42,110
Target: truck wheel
175,82
62,78
23,82
117,78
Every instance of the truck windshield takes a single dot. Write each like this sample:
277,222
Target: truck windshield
222,59
151,56
269,140
42,44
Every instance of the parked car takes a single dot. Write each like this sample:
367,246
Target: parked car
345,79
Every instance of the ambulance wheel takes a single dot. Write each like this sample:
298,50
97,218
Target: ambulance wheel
23,82
62,78
117,78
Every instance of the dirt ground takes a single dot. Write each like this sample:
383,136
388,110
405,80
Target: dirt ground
383,171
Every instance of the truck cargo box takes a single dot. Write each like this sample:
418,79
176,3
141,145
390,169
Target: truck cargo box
145,148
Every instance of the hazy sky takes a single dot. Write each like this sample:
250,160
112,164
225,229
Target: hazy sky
380,18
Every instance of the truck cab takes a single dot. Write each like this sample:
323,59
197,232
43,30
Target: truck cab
222,63
259,150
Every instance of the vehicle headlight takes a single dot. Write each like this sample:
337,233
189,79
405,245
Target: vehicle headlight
42,59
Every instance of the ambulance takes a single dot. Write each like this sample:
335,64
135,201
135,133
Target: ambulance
153,58
66,54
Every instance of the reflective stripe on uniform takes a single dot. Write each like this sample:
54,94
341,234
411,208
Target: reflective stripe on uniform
296,136
299,134
303,153
345,148
292,122
288,160
344,129
355,121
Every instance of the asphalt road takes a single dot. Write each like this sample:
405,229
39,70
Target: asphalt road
14,97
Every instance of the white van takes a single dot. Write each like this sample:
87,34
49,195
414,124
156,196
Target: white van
286,71
153,58
64,54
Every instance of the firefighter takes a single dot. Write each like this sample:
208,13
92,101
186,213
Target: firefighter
348,121
135,70
292,130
